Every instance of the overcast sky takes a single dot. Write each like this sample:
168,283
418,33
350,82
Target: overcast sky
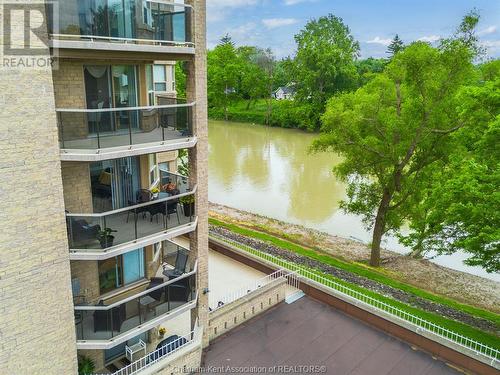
273,23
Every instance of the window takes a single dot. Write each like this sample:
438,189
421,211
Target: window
160,77
121,270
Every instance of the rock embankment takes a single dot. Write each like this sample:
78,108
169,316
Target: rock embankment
460,286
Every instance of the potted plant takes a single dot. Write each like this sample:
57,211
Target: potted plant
155,191
105,237
161,332
86,365
188,205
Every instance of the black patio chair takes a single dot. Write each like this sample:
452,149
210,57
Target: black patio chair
142,196
180,265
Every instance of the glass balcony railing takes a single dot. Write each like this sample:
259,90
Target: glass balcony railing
94,232
127,21
100,322
173,183
95,129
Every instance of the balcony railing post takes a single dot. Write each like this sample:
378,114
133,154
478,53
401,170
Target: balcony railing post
60,125
111,320
70,231
135,223
130,129
98,136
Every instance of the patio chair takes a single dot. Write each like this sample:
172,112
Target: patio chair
83,232
142,196
156,294
172,208
180,265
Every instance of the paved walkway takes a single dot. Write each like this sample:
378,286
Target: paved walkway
307,333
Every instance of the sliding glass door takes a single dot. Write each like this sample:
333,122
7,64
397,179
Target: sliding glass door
125,95
115,183
111,87
121,270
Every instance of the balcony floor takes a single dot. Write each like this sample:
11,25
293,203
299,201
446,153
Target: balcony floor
308,332
123,139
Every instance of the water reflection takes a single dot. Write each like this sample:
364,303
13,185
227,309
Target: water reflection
246,161
268,171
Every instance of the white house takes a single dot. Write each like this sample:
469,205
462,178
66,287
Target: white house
284,93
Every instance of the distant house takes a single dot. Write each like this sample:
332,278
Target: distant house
284,93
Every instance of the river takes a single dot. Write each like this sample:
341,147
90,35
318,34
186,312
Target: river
268,171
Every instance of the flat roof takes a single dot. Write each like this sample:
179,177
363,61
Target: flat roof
308,333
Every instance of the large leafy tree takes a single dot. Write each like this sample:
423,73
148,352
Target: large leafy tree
256,73
324,63
459,209
224,67
392,131
367,67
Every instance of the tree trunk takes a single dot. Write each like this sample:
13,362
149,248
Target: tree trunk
379,227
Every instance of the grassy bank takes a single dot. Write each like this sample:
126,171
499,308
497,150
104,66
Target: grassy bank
370,273
284,114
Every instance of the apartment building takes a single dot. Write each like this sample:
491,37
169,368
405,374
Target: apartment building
104,242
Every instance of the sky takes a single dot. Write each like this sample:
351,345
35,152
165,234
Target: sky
273,23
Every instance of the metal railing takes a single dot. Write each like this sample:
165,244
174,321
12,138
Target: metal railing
100,322
217,303
420,324
95,129
164,352
88,231
141,22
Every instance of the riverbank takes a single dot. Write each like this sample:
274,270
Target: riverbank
459,286
284,114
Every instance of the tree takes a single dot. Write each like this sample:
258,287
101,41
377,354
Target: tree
252,77
392,131
459,211
222,74
367,68
180,79
265,60
396,46
324,63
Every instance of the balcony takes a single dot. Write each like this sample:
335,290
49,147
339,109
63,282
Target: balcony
102,327
123,25
103,235
107,133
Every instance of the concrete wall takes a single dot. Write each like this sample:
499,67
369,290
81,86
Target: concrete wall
232,315
37,334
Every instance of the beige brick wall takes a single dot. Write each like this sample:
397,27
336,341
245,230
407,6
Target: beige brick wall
37,334
196,90
77,188
97,356
243,309
86,271
69,92
168,156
